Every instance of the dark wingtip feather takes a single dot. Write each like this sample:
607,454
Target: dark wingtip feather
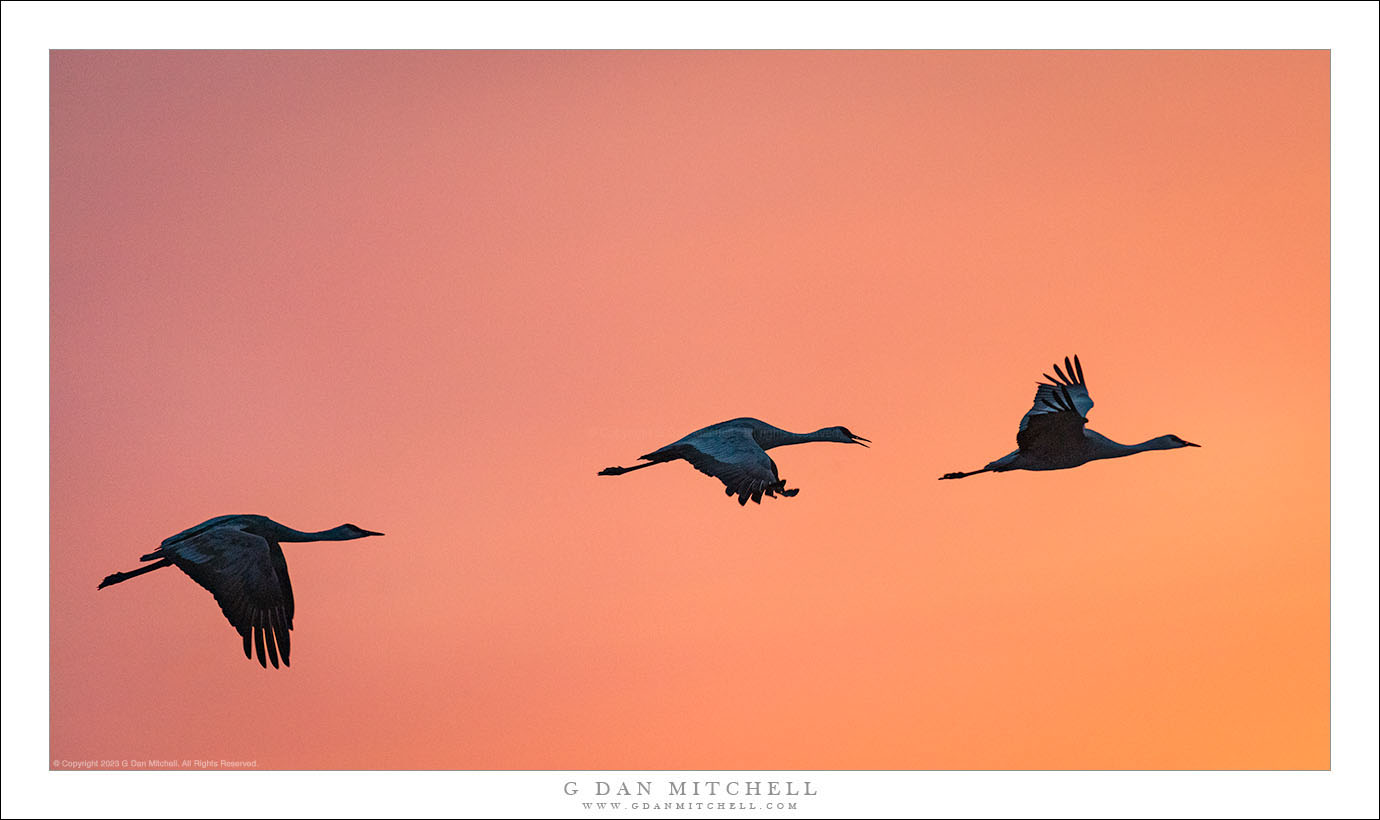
247,652
284,633
271,637
259,646
1079,365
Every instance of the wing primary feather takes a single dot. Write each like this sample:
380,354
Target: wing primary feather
280,632
1079,365
248,653
1062,377
284,639
259,645
271,639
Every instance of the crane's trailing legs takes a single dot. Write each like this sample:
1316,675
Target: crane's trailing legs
771,490
117,577
622,470
963,475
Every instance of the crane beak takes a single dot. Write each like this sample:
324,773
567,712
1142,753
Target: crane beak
1191,444
859,439
369,532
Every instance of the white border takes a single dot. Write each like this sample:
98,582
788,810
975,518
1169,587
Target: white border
1348,29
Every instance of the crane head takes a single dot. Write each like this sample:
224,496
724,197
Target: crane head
1168,442
357,532
846,436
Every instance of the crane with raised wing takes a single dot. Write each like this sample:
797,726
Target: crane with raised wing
1053,435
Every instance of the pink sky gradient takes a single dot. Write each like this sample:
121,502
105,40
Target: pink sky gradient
433,293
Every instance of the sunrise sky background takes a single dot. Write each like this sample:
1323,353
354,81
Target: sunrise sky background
434,293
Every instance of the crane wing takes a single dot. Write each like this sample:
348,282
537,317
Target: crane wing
248,577
731,455
210,523
1055,420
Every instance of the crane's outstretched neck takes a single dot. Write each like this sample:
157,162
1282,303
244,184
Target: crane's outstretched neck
117,577
1168,442
768,437
344,532
1103,447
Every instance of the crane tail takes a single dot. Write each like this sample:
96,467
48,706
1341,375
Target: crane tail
118,577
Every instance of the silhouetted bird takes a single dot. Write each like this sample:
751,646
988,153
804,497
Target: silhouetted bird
1052,435
238,559
735,453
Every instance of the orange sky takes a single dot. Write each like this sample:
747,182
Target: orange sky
433,294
